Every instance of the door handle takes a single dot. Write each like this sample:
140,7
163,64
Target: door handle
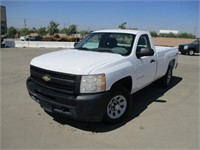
152,61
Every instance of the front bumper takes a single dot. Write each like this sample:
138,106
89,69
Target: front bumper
182,50
86,107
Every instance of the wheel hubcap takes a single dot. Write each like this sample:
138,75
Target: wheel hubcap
191,52
116,107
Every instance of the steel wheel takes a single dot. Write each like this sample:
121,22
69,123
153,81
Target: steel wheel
116,107
191,52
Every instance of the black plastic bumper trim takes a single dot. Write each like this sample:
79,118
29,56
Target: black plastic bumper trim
86,107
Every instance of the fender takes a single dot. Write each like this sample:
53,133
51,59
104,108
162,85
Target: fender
115,71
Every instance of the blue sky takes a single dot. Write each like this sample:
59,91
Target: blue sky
92,15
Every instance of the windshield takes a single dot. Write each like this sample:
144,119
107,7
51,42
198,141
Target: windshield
118,43
196,42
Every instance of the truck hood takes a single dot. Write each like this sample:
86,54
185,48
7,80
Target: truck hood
184,44
74,61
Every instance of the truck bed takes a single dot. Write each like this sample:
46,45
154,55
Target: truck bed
163,48
164,55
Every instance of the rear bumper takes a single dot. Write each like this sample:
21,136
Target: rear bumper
87,107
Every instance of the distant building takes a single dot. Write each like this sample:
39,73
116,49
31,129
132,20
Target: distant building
168,31
3,20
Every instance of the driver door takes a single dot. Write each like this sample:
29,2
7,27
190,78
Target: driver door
145,67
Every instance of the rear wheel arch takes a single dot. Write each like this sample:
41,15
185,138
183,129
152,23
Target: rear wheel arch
172,63
166,79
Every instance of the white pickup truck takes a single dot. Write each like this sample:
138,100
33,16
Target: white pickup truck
95,80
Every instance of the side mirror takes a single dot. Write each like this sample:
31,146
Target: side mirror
144,52
75,43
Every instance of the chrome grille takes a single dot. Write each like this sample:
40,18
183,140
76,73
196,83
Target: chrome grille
60,82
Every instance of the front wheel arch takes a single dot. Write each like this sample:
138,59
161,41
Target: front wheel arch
125,82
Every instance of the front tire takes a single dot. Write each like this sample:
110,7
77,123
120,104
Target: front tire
191,52
119,105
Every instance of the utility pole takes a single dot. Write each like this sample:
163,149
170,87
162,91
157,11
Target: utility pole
195,30
24,22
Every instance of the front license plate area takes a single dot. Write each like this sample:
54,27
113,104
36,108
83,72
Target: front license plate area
46,106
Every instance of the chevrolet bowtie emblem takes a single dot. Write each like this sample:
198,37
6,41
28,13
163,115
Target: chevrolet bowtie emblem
46,78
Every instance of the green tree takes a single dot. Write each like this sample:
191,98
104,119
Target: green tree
24,31
171,34
153,33
122,26
186,35
163,35
72,29
65,30
53,28
42,31
12,31
84,33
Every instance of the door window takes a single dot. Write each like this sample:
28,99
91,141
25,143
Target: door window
143,42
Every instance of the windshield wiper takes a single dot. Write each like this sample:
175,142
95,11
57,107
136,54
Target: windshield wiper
82,48
102,50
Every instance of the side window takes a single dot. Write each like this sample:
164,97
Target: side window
143,42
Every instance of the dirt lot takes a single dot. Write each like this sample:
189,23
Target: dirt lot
160,119
171,41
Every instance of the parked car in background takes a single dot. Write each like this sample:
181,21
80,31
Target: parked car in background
30,38
190,48
36,38
25,38
7,36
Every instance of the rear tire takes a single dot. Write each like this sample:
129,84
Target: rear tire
166,80
119,105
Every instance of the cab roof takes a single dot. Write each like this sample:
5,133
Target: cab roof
128,31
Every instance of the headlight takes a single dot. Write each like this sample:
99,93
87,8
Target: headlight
93,83
186,47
